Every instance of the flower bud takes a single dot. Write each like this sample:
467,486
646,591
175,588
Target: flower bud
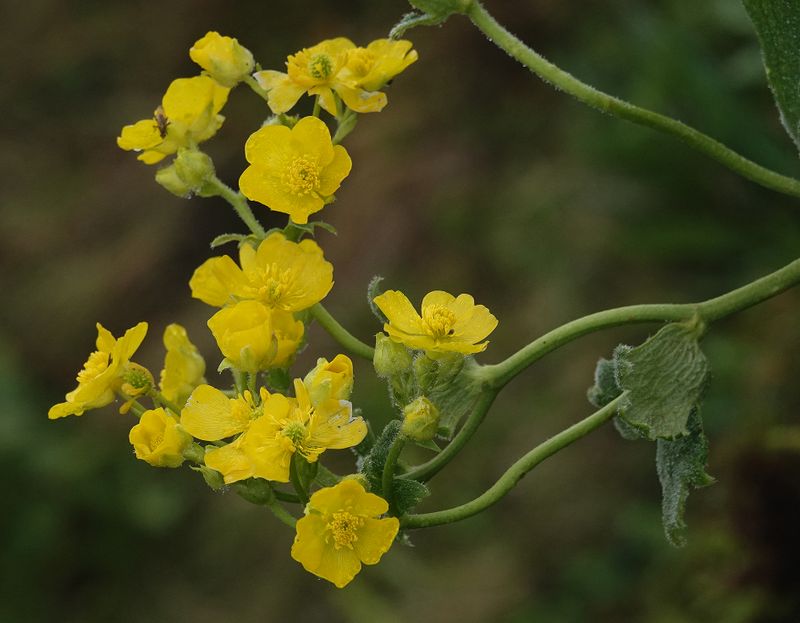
330,380
213,478
441,8
244,335
420,420
188,174
225,60
390,357
159,440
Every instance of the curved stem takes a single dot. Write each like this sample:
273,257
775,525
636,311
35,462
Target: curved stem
239,204
340,334
514,474
606,103
158,397
281,513
429,469
708,311
388,470
285,496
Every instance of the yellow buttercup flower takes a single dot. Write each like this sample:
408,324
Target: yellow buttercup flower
295,171
102,373
159,440
272,432
288,335
225,60
280,274
189,114
446,324
371,68
330,379
244,335
184,366
341,530
316,71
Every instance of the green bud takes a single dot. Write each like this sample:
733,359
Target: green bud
212,477
255,491
390,358
420,420
188,174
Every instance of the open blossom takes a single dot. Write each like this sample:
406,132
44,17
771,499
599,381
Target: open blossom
102,373
371,68
224,58
295,171
184,366
189,114
158,439
446,324
341,530
316,71
270,431
280,274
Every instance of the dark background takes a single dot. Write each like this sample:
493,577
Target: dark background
476,178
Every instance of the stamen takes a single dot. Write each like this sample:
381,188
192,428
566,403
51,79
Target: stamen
344,529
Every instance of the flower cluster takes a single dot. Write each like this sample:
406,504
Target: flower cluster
265,434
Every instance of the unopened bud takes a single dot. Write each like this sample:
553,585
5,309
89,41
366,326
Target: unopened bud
188,174
390,358
420,420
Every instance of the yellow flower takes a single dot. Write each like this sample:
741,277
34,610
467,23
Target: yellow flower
371,68
332,379
281,274
184,366
244,335
447,323
272,431
316,71
102,373
189,114
295,171
159,440
223,58
341,531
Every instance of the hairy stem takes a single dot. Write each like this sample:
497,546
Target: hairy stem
388,470
606,103
340,334
239,204
514,474
708,311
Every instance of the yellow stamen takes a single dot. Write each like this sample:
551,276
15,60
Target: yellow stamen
344,529
94,366
302,175
439,320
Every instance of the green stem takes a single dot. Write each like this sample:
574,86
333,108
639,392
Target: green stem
325,477
389,468
340,334
429,469
514,474
253,84
294,478
603,102
239,204
286,496
317,108
281,513
708,311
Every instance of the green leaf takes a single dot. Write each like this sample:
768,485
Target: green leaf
449,384
226,238
681,466
372,467
373,290
407,493
604,390
664,379
777,23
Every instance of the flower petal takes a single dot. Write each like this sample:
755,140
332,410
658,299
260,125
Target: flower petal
210,416
375,538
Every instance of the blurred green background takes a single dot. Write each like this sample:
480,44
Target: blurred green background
476,178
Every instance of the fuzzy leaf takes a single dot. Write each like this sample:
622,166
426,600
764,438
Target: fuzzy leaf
604,390
406,494
681,466
777,23
665,378
372,467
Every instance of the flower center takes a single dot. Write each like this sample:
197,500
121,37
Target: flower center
94,366
302,175
344,528
439,320
275,283
320,66
294,432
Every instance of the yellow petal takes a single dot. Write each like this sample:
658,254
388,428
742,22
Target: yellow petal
231,462
311,137
400,312
334,427
333,174
269,147
348,495
141,135
361,101
210,416
375,538
216,281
